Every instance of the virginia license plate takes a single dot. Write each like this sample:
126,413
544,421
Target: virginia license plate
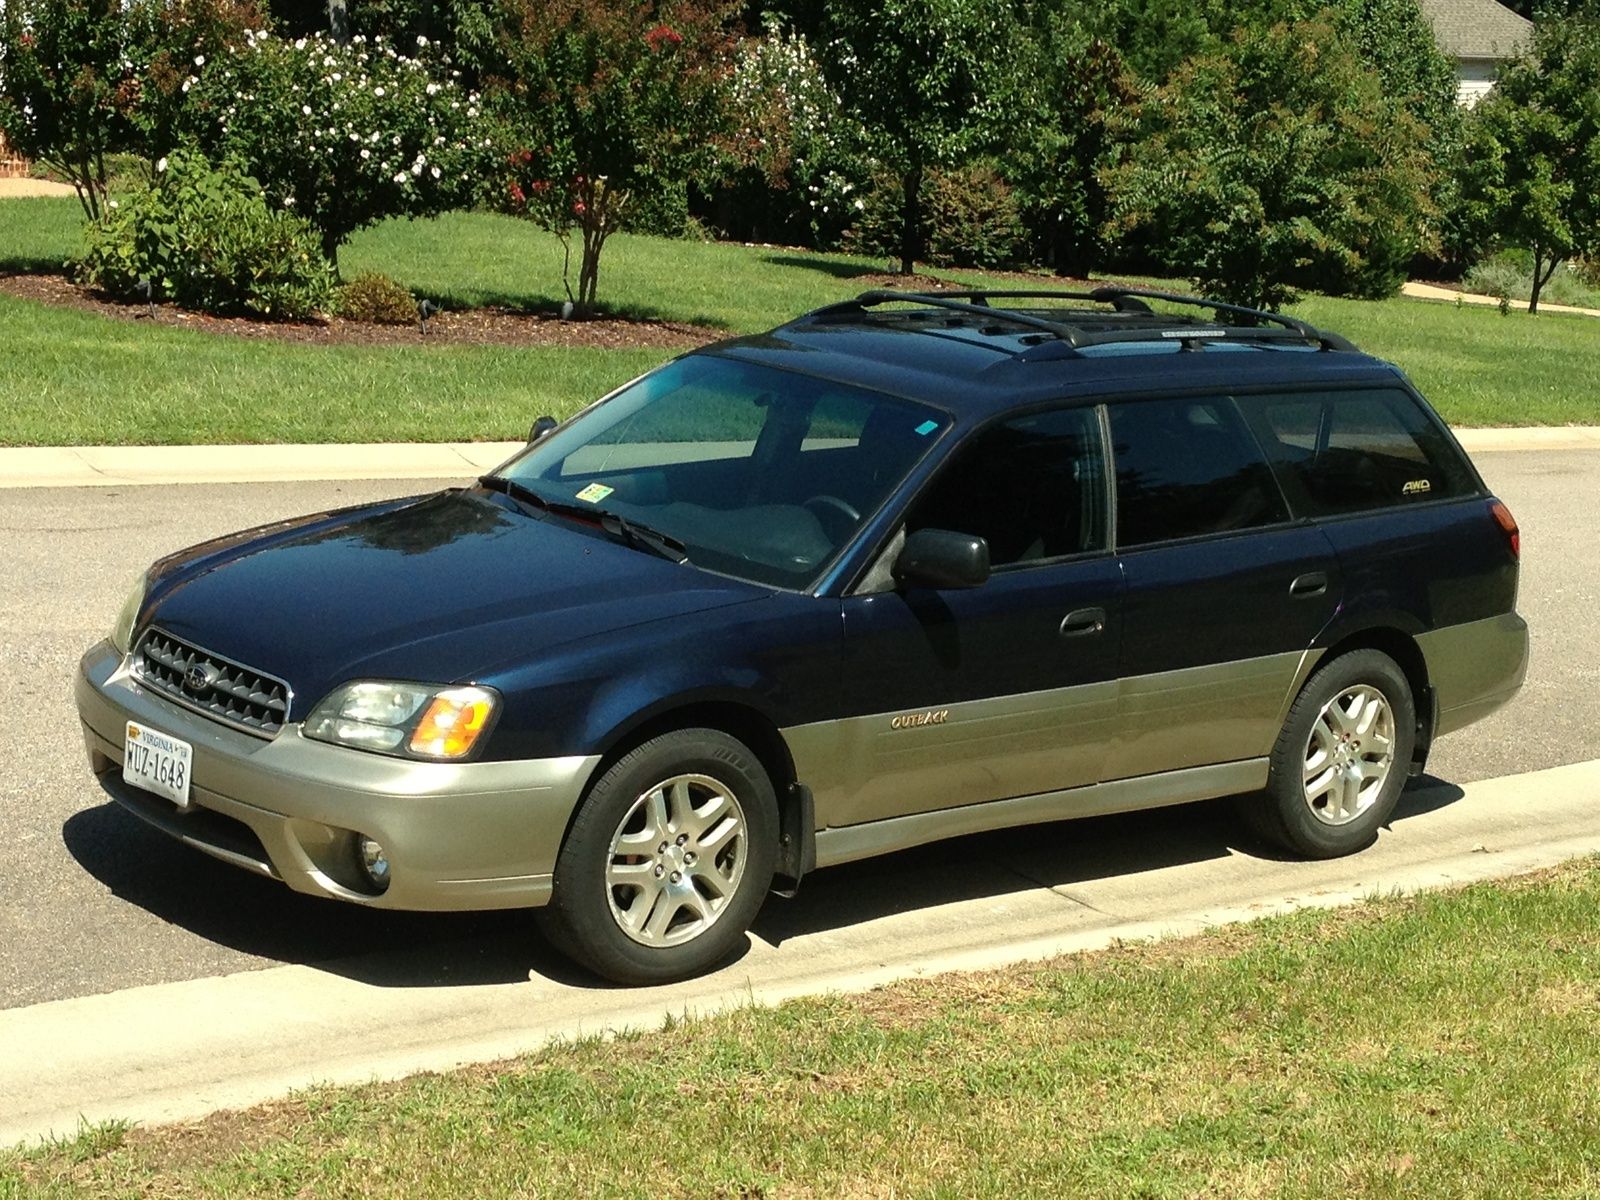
157,762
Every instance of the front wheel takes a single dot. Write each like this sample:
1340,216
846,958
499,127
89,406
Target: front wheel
667,861
1341,760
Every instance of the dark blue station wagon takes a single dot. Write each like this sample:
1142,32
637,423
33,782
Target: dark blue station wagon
906,568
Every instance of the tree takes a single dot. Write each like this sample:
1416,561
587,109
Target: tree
1073,86
84,79
345,135
1532,170
607,100
926,80
1278,163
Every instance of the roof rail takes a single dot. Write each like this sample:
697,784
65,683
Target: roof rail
1131,318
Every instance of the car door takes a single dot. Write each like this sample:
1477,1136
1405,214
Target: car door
1224,591
960,696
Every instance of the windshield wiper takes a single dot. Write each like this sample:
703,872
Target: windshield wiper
517,491
632,533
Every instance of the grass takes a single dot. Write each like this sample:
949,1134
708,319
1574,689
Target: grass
1443,1045
71,378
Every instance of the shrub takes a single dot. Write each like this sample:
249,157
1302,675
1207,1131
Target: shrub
346,134
970,218
373,296
206,239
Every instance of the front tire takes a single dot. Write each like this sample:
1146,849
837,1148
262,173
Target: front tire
1342,758
668,860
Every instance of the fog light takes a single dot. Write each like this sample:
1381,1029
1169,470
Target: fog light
374,862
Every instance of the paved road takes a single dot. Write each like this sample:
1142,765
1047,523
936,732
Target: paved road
91,902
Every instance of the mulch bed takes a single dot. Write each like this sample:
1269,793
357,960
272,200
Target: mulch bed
470,327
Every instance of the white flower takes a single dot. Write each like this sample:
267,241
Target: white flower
114,204
421,41
416,169
378,91
365,153
433,89
435,172
300,44
472,112
336,77
199,60
288,201
400,177
395,141
305,110
161,164
186,83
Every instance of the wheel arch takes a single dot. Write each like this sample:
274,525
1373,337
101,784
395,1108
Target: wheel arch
755,729
1407,654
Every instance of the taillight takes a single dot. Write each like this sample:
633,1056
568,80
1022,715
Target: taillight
1508,524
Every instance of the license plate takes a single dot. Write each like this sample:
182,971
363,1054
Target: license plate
157,762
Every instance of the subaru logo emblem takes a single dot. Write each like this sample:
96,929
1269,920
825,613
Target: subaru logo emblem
199,677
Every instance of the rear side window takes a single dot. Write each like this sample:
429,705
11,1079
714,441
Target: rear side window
1188,467
1351,451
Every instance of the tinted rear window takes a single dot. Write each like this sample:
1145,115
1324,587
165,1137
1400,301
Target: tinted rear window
1351,451
1188,467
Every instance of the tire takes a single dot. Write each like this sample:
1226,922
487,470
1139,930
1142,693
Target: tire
668,860
1331,785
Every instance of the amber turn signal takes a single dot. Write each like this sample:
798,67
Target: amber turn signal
451,725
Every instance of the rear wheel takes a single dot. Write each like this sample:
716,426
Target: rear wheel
667,861
1341,760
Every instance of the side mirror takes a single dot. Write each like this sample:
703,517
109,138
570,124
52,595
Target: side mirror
939,558
542,428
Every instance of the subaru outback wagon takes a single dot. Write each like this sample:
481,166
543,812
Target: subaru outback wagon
906,568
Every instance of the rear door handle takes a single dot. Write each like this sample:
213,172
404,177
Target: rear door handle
1312,583
1082,622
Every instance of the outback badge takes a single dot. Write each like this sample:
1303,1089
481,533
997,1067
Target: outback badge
933,716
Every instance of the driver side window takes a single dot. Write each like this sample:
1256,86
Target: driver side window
1032,487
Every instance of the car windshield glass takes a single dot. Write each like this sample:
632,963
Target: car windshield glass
758,473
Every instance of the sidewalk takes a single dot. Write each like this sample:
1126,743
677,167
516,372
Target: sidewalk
125,466
1429,291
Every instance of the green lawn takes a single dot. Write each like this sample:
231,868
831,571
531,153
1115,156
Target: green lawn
69,378
1444,1045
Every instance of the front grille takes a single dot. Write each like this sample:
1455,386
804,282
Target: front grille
210,684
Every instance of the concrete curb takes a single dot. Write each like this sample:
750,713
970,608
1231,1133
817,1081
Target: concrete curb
135,1054
129,466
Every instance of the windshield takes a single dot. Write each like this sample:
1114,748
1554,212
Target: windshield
761,474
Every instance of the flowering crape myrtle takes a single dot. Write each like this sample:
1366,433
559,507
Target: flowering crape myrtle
346,135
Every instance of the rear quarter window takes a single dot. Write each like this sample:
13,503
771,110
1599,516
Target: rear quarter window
1353,451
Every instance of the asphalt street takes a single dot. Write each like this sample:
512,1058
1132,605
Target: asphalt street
94,902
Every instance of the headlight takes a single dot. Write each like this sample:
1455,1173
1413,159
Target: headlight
410,720
122,628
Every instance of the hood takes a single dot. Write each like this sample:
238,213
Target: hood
437,589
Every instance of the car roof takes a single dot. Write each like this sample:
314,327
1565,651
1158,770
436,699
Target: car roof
963,353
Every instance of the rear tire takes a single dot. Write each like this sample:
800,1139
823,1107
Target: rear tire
668,860
1341,761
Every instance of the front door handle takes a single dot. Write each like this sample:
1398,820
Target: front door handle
1083,622
1312,583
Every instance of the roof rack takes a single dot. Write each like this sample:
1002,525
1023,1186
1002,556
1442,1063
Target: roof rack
1131,318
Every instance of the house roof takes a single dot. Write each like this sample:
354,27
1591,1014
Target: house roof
1476,28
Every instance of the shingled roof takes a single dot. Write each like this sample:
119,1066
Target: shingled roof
1476,28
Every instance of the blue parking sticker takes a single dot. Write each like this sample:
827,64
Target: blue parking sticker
927,427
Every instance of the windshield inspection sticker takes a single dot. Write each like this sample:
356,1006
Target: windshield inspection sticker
595,493
927,427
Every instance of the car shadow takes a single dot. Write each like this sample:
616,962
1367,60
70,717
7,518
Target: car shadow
264,919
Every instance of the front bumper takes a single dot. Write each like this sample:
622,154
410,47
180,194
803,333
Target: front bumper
457,835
